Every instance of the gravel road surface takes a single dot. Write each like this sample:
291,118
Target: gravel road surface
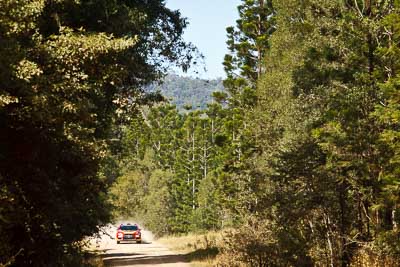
148,253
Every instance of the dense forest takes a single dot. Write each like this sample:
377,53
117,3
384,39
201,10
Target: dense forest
187,92
300,155
297,159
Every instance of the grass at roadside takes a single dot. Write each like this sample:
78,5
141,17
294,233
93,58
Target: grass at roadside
94,260
199,249
91,254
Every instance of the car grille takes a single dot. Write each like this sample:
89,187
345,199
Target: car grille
128,236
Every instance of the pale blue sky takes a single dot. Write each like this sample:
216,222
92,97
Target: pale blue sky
208,20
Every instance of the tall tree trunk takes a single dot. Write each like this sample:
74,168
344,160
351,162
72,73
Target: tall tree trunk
345,253
259,48
193,167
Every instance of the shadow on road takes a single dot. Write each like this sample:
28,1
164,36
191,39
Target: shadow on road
128,259
112,256
134,242
145,260
202,254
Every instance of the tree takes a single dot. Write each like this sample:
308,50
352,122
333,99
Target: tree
158,203
248,44
386,113
66,68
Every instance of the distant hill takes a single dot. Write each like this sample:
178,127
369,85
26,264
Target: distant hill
187,90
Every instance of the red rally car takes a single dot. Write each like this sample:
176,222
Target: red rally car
129,232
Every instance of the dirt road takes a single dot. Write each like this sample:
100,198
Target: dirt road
148,253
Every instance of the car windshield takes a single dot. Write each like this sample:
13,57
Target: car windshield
129,227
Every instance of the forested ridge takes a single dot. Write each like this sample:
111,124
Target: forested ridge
187,92
297,160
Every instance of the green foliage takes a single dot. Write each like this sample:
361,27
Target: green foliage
208,214
248,43
67,68
182,184
128,193
323,170
157,202
257,243
143,192
206,149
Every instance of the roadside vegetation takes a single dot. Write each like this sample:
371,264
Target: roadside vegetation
198,249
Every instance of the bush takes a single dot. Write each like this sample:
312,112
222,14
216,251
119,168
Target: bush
253,244
260,242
